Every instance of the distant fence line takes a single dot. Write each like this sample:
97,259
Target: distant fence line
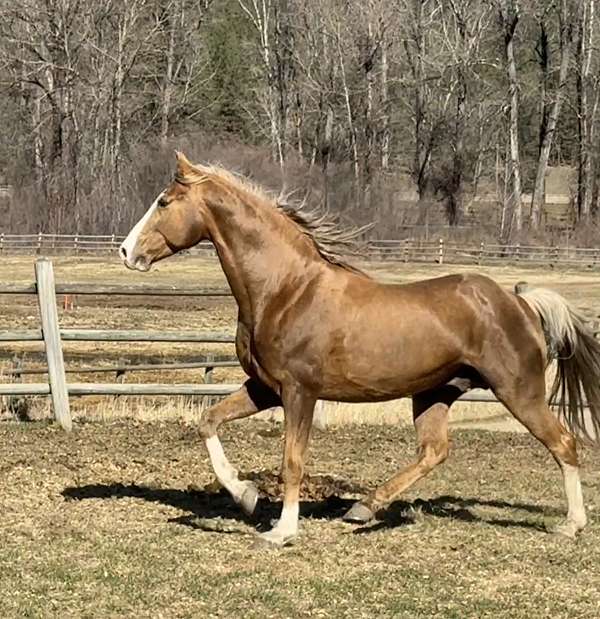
438,251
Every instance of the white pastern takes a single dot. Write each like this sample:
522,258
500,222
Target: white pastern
287,525
576,511
225,473
286,528
128,245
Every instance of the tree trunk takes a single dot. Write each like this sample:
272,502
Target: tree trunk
167,90
349,114
385,96
509,13
585,119
550,119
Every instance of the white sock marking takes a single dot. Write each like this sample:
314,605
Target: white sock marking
576,507
225,473
287,525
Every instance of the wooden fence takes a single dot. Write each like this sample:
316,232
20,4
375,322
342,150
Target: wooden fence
439,251
53,337
67,243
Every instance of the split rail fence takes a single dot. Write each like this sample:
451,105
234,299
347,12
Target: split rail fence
438,251
53,337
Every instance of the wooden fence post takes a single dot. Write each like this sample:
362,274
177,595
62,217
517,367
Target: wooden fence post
481,248
44,275
76,244
208,379
441,252
39,243
208,370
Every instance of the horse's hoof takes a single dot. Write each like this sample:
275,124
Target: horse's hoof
359,513
566,529
272,541
249,499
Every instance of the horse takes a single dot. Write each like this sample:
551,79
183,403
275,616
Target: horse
311,326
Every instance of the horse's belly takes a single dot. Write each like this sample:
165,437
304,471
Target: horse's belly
393,367
377,387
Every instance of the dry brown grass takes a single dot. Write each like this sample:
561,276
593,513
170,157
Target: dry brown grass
113,521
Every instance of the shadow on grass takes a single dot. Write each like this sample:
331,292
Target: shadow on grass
456,508
202,506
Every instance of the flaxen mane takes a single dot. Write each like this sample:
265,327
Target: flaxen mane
333,243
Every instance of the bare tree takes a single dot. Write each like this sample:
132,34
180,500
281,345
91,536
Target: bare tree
179,22
550,114
509,13
463,26
263,15
586,108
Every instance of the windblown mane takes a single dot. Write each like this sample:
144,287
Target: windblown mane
334,243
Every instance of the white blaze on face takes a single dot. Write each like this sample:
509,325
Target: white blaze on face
127,249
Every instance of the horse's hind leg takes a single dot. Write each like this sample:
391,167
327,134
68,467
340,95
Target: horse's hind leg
430,414
251,398
533,412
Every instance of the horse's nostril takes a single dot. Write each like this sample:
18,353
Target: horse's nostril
122,252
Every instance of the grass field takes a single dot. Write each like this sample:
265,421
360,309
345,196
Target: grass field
122,517
114,520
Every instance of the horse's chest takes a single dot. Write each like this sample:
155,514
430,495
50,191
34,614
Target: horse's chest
251,359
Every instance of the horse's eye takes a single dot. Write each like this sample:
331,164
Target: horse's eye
162,203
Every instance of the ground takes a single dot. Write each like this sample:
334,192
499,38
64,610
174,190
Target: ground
123,518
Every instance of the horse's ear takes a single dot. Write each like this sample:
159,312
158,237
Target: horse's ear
184,167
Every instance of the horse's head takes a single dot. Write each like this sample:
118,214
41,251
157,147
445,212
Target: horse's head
174,221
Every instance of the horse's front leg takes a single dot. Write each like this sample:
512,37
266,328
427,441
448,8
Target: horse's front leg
298,408
251,398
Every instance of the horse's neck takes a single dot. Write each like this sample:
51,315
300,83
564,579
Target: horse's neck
262,262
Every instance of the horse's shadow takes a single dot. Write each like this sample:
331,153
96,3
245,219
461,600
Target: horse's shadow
203,506
463,509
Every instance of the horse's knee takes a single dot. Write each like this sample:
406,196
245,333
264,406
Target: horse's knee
208,425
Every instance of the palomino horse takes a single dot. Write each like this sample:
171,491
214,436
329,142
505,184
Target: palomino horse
310,327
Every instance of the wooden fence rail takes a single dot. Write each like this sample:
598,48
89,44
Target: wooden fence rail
101,335
53,336
131,389
209,364
119,290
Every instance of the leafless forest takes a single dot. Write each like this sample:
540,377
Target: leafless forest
393,111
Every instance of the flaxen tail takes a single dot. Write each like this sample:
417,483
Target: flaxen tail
577,352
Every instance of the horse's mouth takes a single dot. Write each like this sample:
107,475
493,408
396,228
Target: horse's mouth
140,264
